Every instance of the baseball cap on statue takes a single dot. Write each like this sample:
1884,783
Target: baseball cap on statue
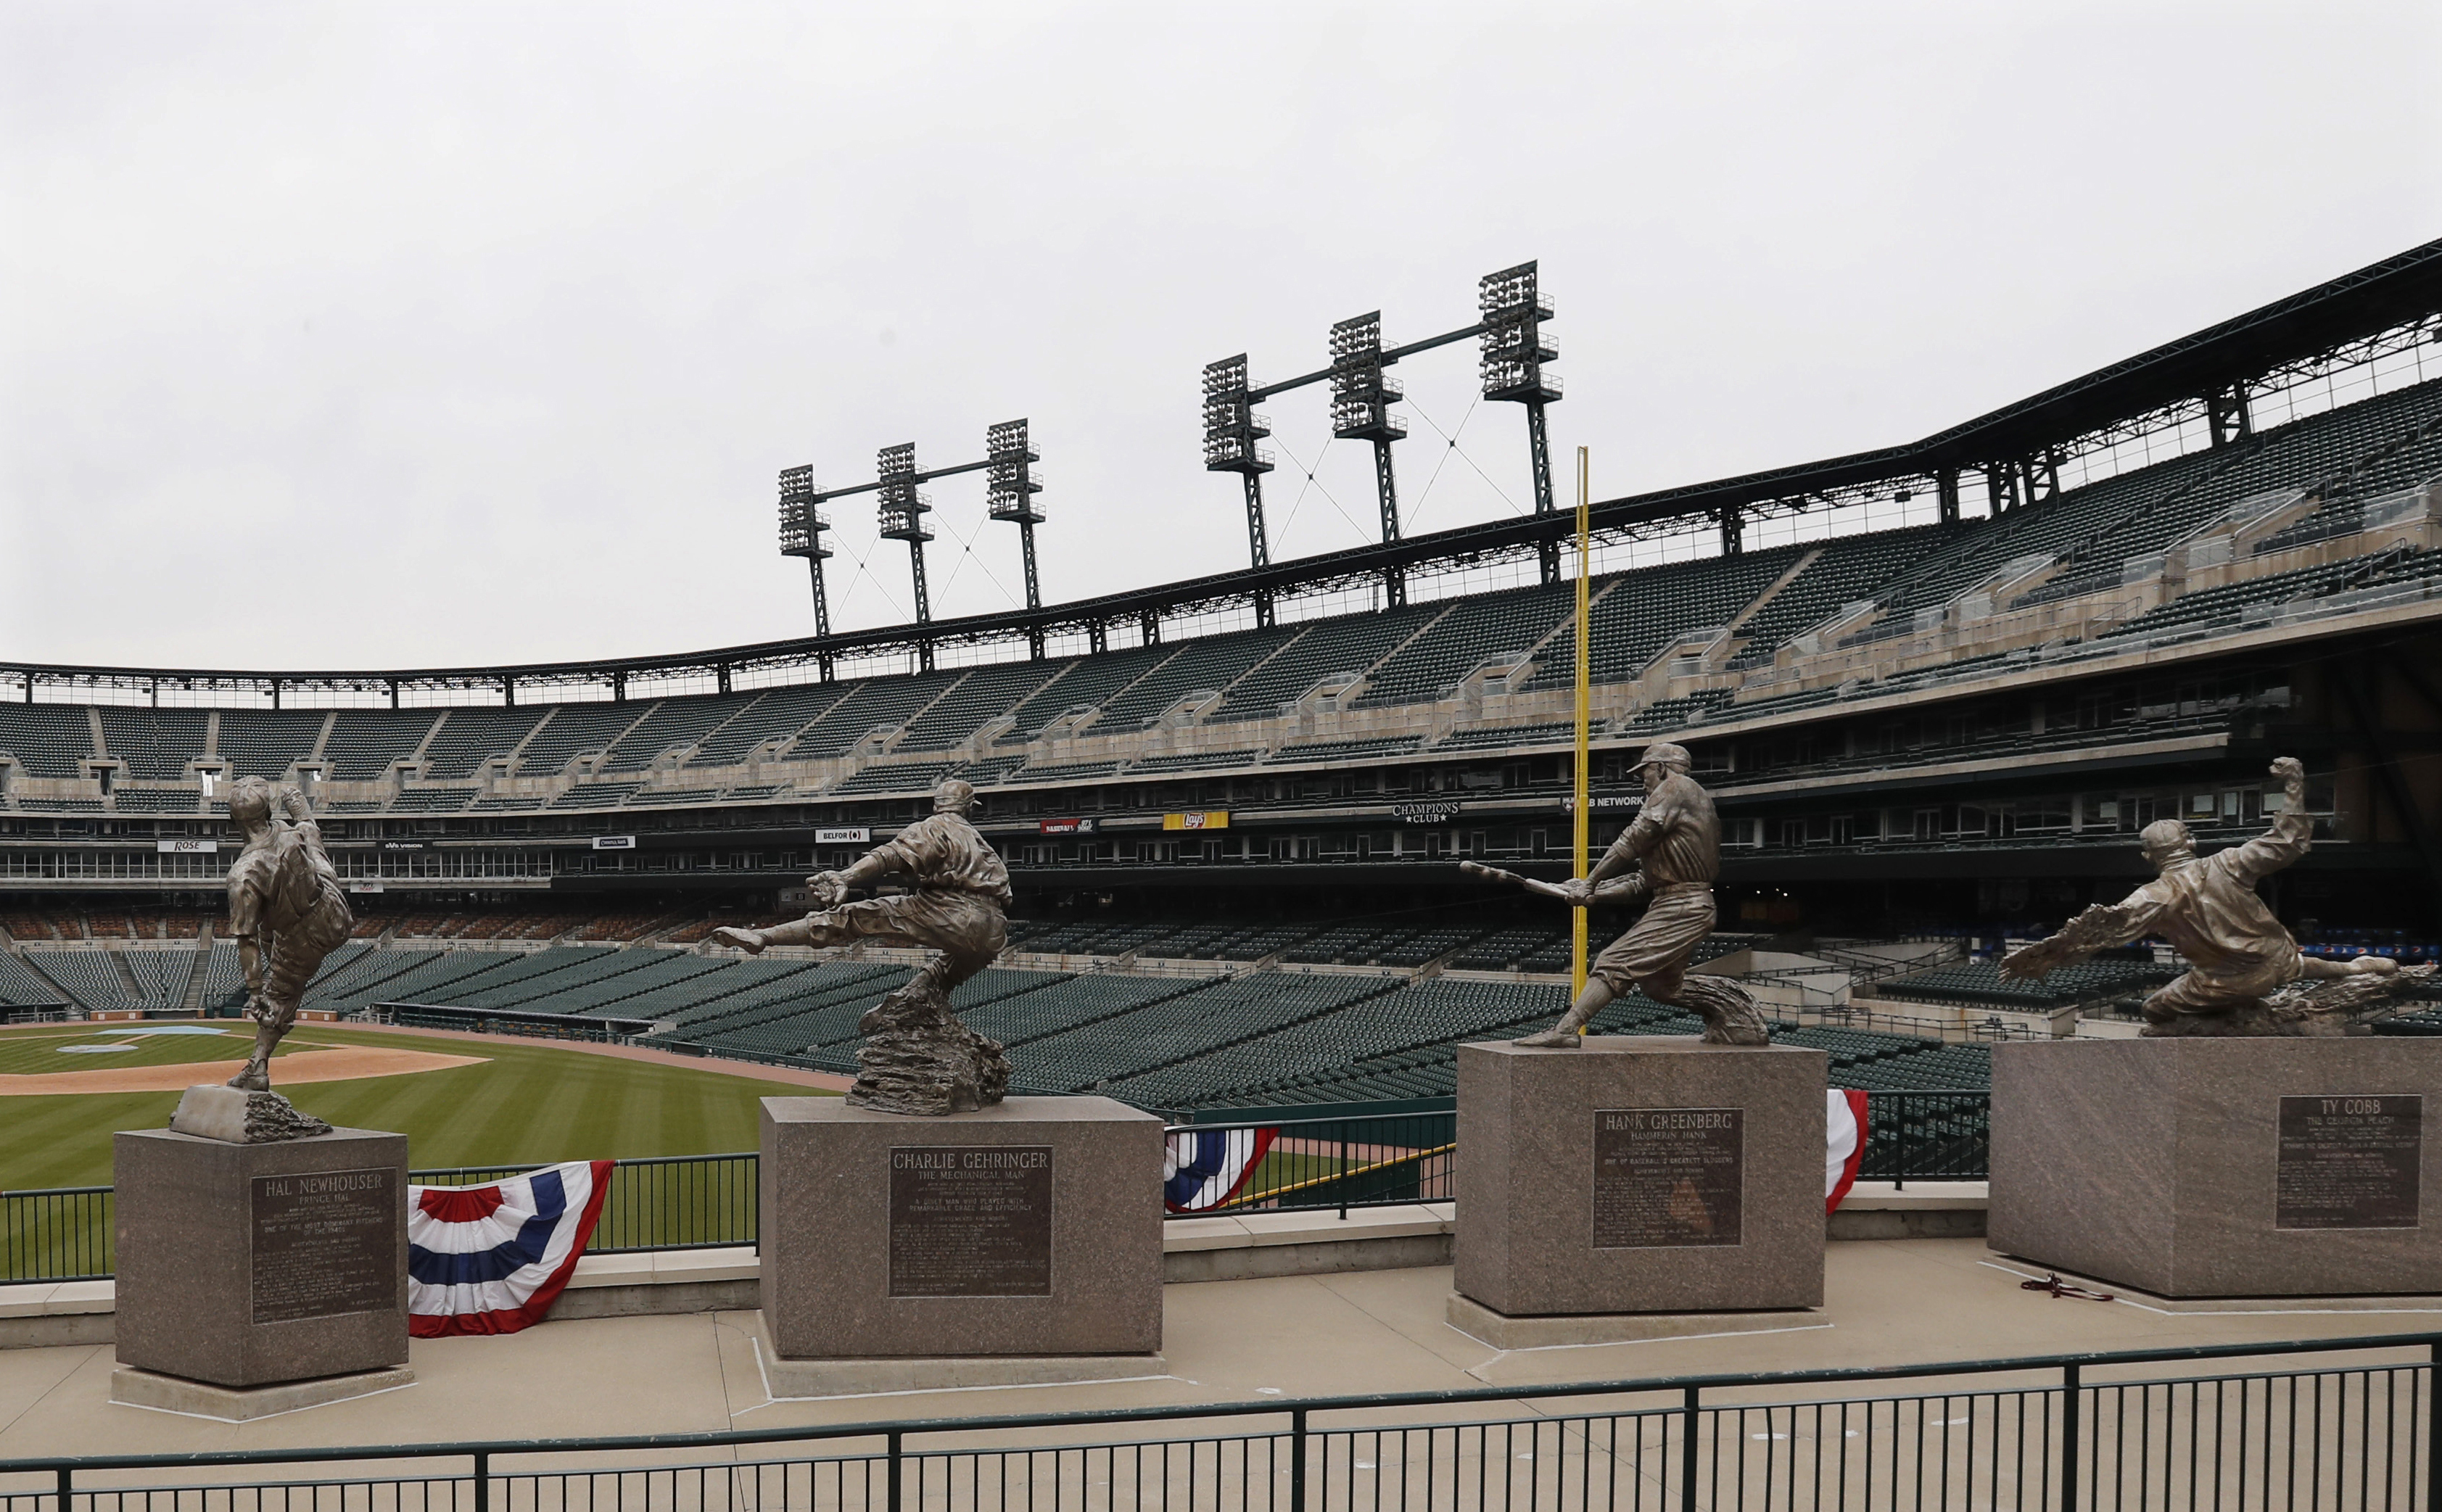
1662,753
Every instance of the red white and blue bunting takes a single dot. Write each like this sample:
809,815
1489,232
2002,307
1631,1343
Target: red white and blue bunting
1202,1169
1845,1119
492,1259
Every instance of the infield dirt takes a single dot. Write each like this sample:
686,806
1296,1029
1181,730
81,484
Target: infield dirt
340,1063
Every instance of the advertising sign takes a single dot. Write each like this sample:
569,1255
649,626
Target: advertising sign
1208,819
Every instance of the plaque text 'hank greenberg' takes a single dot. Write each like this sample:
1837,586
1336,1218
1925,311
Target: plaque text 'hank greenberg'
324,1244
2349,1162
970,1220
1669,1177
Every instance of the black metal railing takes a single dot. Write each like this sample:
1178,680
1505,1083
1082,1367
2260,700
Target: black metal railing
2352,1427
658,1202
55,1233
1386,1159
665,1202
1927,1136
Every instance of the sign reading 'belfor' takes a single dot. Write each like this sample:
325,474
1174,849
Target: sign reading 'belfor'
970,1220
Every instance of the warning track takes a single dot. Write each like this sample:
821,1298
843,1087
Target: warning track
340,1063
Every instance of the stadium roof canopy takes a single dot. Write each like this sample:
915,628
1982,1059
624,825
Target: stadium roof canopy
2301,331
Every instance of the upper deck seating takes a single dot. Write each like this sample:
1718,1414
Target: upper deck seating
776,715
1471,632
154,744
1325,648
878,704
470,738
671,723
1090,684
1209,665
1851,568
573,730
1644,611
48,739
983,695
365,743
267,742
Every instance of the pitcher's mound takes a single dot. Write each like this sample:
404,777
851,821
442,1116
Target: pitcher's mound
338,1063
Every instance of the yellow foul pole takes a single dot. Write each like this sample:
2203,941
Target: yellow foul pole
1584,806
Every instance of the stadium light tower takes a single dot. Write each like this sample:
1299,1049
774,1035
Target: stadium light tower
1361,396
902,509
1009,489
802,523
1511,364
1231,428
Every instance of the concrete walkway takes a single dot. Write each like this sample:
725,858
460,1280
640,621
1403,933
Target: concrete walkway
1897,1301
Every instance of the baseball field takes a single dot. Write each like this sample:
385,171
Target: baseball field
65,1088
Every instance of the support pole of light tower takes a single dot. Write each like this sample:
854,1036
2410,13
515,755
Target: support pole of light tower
802,523
1361,396
1011,487
1511,360
1231,428
902,512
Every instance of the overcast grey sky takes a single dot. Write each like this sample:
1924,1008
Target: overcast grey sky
434,334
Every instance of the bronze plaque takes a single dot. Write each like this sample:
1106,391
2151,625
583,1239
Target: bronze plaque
325,1243
970,1220
1666,1178
2349,1162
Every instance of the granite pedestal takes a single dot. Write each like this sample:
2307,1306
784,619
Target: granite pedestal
245,1269
2232,1168
1639,1186
1016,1244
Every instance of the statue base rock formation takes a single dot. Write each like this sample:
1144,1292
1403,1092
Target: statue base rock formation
234,1116
919,1058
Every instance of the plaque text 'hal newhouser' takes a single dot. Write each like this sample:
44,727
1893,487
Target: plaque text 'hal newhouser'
324,1244
2349,1162
1669,1177
970,1220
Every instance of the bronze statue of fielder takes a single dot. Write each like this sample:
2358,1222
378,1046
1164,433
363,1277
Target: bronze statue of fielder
1671,851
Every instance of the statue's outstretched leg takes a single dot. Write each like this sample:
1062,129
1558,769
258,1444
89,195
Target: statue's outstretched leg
2316,968
1563,1035
824,928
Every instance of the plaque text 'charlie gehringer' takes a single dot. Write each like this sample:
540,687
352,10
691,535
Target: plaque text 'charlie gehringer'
970,1220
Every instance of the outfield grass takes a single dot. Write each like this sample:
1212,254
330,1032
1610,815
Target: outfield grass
529,1100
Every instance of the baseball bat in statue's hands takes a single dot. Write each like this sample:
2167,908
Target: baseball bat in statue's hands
1576,892
1476,868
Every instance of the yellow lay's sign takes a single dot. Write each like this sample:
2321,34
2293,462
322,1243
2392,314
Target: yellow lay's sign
1208,819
